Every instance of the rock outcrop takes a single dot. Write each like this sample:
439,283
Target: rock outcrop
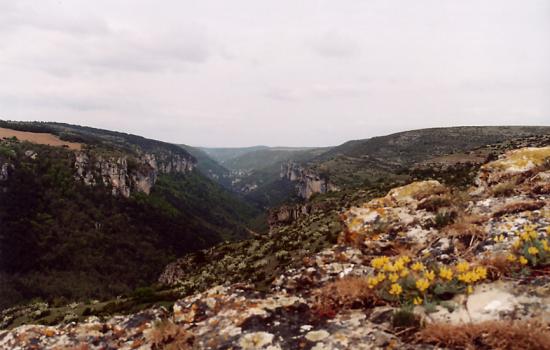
308,181
286,214
5,171
126,174
423,256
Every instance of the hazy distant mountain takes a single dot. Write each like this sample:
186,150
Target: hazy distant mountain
222,155
210,167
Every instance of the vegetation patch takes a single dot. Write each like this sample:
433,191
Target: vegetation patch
487,335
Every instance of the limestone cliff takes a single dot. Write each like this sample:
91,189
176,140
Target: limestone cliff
125,174
308,181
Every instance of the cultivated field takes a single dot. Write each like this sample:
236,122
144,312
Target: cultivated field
41,138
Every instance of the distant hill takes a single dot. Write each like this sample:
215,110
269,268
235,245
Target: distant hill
359,161
270,158
210,167
222,155
105,217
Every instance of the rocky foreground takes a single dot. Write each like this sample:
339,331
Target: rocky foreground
424,267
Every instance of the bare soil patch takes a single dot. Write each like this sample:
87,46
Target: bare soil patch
40,138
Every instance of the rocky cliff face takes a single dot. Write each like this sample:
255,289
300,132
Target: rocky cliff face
126,174
422,267
308,181
286,214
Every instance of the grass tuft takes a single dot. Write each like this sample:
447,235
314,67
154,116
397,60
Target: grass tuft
501,335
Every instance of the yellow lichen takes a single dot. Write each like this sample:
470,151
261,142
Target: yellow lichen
520,160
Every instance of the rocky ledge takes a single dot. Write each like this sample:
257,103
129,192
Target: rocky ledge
424,267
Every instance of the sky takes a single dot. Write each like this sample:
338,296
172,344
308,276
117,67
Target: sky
286,72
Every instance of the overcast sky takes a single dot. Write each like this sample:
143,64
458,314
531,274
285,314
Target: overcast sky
297,73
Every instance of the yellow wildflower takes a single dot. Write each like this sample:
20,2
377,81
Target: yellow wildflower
469,290
422,284
399,265
525,236
446,273
517,243
396,289
393,277
373,282
511,258
481,272
523,261
381,277
545,246
389,267
417,301
499,238
533,234
417,266
404,273
466,277
430,275
406,259
533,250
462,266
379,262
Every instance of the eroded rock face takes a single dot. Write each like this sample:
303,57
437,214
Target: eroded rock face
308,181
122,178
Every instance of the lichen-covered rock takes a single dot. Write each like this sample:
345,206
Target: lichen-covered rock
512,163
399,216
412,193
495,301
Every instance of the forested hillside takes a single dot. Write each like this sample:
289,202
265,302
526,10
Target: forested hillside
71,237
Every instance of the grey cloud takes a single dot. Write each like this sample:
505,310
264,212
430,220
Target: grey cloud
53,102
335,45
242,72
283,94
314,91
17,16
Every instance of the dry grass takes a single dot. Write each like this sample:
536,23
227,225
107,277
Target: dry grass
348,292
467,229
497,266
518,207
168,336
504,189
499,335
542,189
433,203
40,138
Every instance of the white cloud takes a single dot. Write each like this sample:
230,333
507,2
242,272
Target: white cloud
336,45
